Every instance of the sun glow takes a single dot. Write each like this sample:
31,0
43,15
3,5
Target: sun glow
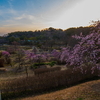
79,15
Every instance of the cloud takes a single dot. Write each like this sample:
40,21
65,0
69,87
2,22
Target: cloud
24,22
5,12
12,11
25,16
10,3
7,8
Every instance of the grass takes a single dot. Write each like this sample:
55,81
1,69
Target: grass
44,84
85,91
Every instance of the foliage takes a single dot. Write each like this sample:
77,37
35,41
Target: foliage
47,38
36,65
40,71
4,53
85,52
33,57
4,58
60,56
52,63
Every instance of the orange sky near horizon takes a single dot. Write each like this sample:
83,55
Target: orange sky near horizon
40,15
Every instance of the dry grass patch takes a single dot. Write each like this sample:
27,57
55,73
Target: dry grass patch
85,91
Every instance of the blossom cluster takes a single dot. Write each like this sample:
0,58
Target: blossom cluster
5,53
85,53
33,57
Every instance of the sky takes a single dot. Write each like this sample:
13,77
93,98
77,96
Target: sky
30,15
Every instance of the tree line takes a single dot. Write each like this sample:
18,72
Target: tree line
49,37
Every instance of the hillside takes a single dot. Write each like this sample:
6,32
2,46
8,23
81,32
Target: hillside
85,91
46,38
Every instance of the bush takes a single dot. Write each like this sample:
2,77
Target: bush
46,70
36,65
52,63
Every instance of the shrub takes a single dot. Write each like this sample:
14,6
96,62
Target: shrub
52,63
46,70
36,65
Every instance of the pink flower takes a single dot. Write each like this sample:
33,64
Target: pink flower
5,53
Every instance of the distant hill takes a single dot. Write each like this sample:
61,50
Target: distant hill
48,37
